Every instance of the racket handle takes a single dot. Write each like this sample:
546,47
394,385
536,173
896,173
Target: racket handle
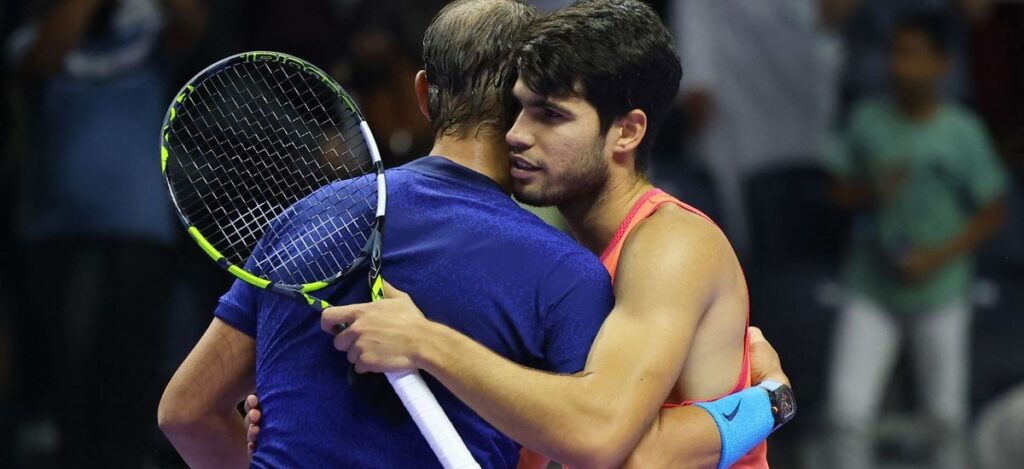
431,420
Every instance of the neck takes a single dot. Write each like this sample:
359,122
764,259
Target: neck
595,219
486,154
919,107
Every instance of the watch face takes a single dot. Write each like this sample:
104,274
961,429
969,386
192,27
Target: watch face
784,405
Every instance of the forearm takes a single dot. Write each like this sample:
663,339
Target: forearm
679,437
981,227
198,410
59,33
743,421
565,417
214,441
690,437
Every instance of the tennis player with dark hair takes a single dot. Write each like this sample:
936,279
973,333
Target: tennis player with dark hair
595,81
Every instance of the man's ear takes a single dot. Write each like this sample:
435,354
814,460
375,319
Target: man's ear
422,93
631,129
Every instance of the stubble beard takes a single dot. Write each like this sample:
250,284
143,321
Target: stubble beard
588,180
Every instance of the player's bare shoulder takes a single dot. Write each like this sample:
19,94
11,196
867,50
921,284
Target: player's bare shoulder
683,255
674,231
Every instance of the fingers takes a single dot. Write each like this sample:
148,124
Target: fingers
391,292
759,342
251,402
252,421
253,417
251,436
331,318
358,358
764,360
353,352
347,315
253,432
344,341
758,339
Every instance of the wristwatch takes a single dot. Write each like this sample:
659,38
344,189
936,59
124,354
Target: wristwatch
783,402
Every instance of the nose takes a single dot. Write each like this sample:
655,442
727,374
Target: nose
518,137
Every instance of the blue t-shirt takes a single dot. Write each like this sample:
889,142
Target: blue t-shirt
471,259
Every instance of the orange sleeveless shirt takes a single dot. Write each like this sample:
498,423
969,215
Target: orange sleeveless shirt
644,208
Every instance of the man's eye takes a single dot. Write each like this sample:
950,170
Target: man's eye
551,114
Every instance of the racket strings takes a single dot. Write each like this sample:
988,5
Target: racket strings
248,144
247,235
292,265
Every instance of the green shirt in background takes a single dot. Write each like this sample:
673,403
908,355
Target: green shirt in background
946,170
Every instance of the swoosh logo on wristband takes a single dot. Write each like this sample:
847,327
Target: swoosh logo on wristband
732,415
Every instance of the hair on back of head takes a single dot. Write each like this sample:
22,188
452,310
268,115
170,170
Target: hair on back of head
467,54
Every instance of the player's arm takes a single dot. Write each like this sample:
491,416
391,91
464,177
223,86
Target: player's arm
595,417
680,436
198,412
683,436
921,261
981,226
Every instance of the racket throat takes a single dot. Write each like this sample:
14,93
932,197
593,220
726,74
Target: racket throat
376,261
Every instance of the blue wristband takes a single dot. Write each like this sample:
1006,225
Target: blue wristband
744,420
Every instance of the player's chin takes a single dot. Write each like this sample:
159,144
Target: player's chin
532,195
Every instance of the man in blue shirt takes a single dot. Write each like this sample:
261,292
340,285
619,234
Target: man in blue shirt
542,304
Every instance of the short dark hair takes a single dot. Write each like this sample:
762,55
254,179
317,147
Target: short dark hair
933,25
616,54
467,53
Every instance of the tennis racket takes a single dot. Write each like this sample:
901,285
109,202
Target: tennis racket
276,176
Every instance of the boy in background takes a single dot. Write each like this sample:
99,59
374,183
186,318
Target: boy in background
928,188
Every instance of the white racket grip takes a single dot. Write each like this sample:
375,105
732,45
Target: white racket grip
431,420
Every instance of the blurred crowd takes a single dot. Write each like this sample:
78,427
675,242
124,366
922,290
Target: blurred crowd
865,158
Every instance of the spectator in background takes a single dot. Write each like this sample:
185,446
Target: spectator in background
94,223
871,26
929,188
757,88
